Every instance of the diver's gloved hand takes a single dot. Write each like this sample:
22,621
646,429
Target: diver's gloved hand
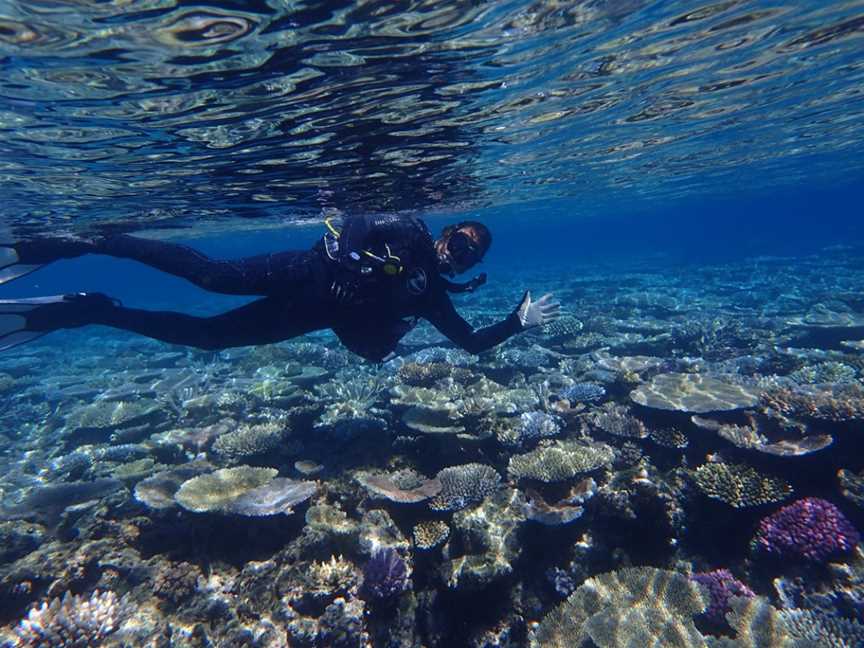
536,313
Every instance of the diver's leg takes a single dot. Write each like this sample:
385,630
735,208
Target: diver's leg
282,273
261,322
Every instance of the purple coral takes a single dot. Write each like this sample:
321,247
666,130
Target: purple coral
385,575
810,529
721,586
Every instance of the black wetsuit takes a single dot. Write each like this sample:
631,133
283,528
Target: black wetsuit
297,293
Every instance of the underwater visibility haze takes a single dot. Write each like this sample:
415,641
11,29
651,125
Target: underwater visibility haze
674,460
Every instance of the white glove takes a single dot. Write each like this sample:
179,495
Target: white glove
543,311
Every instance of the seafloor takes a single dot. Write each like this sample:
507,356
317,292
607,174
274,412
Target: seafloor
675,462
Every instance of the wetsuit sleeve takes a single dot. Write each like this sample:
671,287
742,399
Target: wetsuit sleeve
443,316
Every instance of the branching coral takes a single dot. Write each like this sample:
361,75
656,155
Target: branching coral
430,533
248,441
423,375
739,485
73,621
464,485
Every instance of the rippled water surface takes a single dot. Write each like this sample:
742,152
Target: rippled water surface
141,110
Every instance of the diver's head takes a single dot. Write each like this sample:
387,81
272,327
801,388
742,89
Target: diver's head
462,246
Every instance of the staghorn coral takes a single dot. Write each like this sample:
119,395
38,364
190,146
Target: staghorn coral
250,440
73,621
464,485
697,393
809,529
559,462
739,485
634,606
428,534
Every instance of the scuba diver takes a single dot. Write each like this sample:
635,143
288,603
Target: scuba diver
369,282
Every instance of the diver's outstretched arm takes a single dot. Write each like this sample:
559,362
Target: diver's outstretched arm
263,321
528,314
443,316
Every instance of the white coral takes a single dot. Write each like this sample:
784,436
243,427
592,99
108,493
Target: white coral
73,621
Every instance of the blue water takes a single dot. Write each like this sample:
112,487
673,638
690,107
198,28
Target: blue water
686,178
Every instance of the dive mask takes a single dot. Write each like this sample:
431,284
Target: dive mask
462,249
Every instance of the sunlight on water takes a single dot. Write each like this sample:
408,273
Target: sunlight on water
139,111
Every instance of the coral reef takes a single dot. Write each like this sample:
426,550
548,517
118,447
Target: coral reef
161,476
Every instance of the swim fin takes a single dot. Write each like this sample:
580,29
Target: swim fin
22,320
13,319
10,264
